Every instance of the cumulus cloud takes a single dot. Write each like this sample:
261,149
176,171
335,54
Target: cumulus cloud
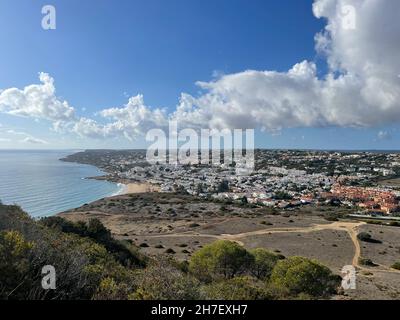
362,87
132,120
37,101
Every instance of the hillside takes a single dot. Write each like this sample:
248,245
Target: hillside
91,264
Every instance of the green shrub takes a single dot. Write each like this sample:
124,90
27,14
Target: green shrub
123,251
366,262
366,237
162,280
170,251
109,289
302,275
396,265
220,260
238,288
394,224
81,263
263,264
14,261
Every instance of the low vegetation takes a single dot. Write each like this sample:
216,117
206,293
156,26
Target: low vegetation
366,237
91,264
396,265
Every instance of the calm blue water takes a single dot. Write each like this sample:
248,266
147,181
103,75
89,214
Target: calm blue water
42,185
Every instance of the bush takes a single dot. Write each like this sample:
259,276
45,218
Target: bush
366,262
366,237
80,263
109,289
264,262
394,224
124,252
238,288
164,281
194,225
302,275
219,260
14,261
396,265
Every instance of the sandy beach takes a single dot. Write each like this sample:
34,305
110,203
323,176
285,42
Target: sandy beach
140,188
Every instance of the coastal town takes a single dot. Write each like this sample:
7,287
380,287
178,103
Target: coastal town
362,181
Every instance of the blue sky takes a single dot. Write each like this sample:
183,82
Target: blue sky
103,52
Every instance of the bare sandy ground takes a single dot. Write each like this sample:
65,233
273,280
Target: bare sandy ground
140,188
174,224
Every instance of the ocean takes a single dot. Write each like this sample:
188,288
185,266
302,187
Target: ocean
43,185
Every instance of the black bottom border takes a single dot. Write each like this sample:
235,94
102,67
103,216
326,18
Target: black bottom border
195,309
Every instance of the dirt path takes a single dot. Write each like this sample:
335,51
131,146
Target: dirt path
350,227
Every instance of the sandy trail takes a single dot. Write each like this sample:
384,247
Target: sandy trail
350,227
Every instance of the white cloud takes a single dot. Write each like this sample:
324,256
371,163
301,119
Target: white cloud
39,101
36,101
13,132
130,121
362,87
384,135
33,140
27,138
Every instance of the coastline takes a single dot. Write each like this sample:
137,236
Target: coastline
125,186
139,187
128,186
135,187
43,185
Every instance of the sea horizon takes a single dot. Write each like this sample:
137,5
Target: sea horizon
74,150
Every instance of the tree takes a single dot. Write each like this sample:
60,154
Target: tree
98,231
124,252
300,275
219,260
264,263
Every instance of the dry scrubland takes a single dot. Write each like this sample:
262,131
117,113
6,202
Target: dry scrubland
180,224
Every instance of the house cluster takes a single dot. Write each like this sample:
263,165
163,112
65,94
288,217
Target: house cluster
281,178
272,187
371,199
